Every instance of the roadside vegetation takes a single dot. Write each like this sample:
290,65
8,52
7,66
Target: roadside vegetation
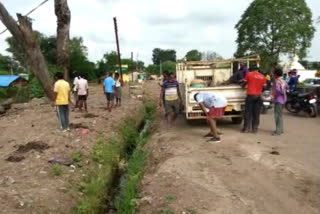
108,156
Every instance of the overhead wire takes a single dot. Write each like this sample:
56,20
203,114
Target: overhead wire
31,11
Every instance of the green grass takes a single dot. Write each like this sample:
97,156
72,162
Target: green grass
76,156
56,170
170,198
105,157
126,201
163,211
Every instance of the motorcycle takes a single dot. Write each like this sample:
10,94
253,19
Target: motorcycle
298,102
266,101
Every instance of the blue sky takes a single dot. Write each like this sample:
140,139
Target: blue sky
206,25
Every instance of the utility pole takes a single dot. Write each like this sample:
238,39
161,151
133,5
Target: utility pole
118,47
132,64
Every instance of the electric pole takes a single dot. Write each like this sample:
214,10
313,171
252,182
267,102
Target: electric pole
118,46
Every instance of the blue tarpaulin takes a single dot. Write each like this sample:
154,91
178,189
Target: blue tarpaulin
6,80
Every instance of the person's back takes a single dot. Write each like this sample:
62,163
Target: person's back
109,83
82,86
212,100
62,88
255,81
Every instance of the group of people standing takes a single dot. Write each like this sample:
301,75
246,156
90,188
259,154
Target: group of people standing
213,105
255,82
80,90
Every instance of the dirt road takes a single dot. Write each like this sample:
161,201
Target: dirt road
29,137
245,173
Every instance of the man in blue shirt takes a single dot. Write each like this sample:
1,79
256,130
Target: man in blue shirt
108,89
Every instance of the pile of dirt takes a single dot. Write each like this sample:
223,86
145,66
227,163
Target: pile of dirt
34,145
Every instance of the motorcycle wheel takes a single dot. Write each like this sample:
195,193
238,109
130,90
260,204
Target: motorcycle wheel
313,111
290,107
264,110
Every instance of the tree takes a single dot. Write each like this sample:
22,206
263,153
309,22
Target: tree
193,55
153,69
169,66
5,63
22,32
63,35
271,28
161,55
210,56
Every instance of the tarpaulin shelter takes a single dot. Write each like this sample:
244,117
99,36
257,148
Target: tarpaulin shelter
8,80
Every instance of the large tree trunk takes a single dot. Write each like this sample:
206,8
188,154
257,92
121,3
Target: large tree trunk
24,35
63,35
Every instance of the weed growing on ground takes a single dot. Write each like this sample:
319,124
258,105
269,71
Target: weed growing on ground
170,198
163,211
126,202
56,170
76,156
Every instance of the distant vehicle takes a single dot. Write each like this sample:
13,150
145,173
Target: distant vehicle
312,82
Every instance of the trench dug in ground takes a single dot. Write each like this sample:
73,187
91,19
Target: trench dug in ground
30,138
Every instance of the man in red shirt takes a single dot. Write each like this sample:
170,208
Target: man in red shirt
255,81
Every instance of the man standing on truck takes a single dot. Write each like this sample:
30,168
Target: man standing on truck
216,104
170,97
255,81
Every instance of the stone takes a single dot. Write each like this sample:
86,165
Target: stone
7,181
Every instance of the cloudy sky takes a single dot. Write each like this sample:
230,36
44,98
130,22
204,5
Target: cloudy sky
146,24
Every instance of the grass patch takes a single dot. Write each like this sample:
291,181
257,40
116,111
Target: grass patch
163,211
106,156
170,198
126,201
56,170
76,156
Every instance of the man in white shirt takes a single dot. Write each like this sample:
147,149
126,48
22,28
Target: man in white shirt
83,92
216,103
75,93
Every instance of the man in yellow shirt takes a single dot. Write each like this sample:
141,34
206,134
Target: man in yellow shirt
61,98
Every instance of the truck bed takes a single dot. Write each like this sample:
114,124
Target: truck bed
234,94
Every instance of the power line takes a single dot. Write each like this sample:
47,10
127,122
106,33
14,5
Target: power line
31,11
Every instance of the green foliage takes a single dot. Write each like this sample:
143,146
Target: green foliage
193,55
129,133
169,66
166,66
76,156
153,69
99,180
170,198
271,28
106,157
161,55
56,170
126,202
163,211
5,62
36,91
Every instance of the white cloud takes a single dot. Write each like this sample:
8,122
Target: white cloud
146,24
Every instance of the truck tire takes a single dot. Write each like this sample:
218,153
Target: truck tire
237,120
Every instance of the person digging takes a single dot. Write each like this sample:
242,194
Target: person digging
216,104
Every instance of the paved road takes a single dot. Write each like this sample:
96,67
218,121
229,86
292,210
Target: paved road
245,173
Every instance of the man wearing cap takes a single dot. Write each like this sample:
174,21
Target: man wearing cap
255,82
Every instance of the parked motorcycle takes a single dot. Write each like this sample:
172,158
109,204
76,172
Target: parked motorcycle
306,102
266,101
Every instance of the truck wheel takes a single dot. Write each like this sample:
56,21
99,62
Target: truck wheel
237,120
